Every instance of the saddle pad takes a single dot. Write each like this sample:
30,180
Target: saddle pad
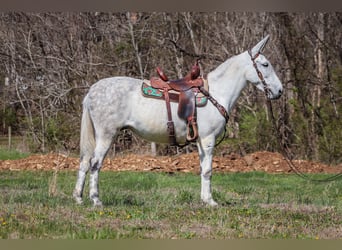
149,91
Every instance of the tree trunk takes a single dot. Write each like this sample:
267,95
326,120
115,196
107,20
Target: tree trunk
316,94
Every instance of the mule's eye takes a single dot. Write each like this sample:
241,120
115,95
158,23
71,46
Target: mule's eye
265,64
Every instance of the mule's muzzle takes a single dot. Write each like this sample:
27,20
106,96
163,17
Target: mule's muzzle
274,96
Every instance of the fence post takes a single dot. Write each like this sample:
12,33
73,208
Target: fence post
9,137
153,149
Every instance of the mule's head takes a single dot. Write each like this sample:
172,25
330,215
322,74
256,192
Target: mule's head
261,73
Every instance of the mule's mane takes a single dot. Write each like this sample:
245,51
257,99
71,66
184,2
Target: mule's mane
220,70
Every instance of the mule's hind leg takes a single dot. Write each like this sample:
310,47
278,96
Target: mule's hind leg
82,172
101,149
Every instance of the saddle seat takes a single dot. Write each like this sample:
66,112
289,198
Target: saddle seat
191,80
187,88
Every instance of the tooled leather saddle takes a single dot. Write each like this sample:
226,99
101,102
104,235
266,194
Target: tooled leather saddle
189,92
184,92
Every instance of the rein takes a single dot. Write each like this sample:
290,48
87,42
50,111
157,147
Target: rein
284,149
220,108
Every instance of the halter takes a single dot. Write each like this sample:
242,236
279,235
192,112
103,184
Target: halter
260,75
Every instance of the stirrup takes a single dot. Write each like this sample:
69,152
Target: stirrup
192,130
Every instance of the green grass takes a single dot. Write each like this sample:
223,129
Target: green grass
6,154
159,205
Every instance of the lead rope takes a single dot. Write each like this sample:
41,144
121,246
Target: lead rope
285,152
284,149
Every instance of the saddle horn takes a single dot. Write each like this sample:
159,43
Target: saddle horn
162,75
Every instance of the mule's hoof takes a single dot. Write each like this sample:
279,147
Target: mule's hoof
210,203
97,203
78,199
213,203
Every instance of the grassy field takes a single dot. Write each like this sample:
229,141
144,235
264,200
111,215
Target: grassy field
159,205
6,154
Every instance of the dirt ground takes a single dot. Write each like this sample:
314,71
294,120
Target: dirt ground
259,161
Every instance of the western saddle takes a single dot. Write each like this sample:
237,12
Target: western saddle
184,91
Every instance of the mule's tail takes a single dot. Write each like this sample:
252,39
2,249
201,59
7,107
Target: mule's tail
87,138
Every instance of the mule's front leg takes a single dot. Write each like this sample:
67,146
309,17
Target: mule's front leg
205,150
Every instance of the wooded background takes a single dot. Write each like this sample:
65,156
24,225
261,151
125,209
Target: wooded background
49,61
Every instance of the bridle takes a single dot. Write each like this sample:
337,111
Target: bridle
284,149
260,75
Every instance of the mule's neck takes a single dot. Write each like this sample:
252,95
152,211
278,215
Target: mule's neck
228,80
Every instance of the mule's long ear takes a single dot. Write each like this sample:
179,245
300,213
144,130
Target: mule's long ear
260,46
